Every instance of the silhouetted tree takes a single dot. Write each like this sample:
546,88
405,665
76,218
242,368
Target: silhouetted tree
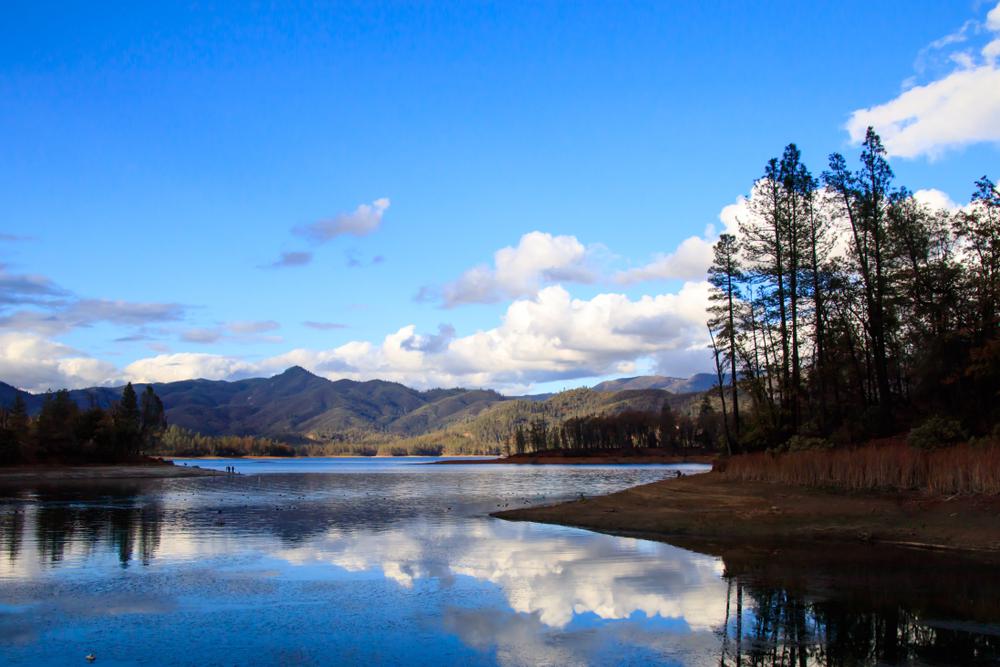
153,418
128,422
725,275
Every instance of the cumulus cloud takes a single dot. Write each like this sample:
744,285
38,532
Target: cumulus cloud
33,363
187,365
691,259
434,343
936,199
362,221
551,336
518,271
961,107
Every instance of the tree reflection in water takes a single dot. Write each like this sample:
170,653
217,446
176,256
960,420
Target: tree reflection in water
114,515
773,627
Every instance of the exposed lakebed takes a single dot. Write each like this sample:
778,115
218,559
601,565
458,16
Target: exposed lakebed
388,561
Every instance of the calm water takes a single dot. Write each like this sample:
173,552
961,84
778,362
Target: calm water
382,561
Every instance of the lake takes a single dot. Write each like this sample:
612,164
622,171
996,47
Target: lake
388,561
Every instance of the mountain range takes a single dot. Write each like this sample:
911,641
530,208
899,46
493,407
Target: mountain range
298,405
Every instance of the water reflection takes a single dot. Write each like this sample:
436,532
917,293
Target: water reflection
772,627
79,520
407,567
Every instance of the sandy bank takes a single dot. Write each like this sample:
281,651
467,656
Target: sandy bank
98,472
705,510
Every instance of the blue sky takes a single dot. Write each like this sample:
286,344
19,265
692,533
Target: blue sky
157,162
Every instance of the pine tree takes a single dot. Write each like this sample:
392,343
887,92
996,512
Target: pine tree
725,274
866,197
152,416
128,422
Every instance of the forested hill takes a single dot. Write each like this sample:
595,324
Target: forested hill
297,403
696,383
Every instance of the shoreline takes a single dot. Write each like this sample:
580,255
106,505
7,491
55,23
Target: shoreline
152,470
331,456
598,457
709,513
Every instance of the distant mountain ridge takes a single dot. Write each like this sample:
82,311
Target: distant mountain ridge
696,383
297,404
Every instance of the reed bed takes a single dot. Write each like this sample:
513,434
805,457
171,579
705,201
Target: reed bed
960,469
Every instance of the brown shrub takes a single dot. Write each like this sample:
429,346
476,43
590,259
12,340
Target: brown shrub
965,469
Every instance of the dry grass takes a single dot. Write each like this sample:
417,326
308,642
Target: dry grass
961,469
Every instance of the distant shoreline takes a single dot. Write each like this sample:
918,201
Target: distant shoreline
711,511
595,457
483,457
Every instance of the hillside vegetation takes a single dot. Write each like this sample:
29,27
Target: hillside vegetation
297,412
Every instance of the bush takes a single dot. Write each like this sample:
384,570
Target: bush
805,443
936,432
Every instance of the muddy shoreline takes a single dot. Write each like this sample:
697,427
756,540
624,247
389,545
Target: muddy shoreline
153,470
710,514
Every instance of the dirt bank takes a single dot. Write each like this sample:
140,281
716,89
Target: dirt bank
99,472
707,513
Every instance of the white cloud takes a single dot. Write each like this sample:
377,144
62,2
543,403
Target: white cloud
552,336
960,108
552,578
187,365
935,199
544,335
691,259
362,221
33,363
538,259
